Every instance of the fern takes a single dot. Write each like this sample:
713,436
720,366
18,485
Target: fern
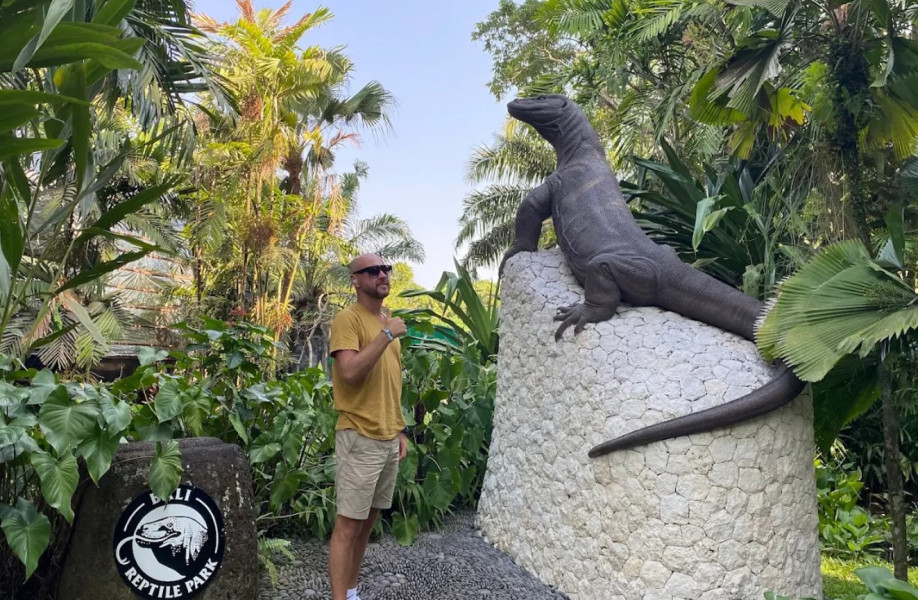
267,549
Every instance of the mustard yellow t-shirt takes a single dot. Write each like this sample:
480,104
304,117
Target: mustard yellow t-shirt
374,407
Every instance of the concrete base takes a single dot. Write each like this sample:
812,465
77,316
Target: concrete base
724,515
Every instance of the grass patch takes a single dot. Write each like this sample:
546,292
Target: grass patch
840,583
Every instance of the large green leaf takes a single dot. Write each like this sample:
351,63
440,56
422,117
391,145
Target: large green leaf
14,147
64,422
16,115
405,529
63,54
841,302
41,387
27,532
168,401
707,219
13,431
165,469
59,478
263,448
874,577
148,356
196,406
56,12
284,485
98,451
31,98
112,12
117,413
11,241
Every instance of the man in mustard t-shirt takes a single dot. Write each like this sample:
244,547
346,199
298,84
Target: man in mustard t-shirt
370,440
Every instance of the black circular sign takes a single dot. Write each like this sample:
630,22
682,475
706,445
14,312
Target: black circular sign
169,549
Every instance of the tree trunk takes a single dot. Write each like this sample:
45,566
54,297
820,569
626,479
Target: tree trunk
851,80
895,497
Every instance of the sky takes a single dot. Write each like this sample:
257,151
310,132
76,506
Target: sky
422,52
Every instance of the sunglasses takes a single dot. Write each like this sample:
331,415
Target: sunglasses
374,270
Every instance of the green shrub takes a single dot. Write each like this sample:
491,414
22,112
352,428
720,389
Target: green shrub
448,400
222,385
845,529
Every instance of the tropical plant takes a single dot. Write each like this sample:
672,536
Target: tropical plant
448,403
844,302
469,319
737,222
845,529
517,161
51,435
883,585
524,50
631,65
286,238
80,212
223,385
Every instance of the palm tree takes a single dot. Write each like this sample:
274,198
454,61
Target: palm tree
295,115
849,316
517,161
90,179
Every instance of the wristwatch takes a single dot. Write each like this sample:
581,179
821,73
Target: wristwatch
389,334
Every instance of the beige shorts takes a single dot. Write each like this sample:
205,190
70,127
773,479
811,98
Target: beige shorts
366,473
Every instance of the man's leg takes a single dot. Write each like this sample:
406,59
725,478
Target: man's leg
342,550
360,546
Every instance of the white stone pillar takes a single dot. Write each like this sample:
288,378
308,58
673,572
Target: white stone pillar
724,515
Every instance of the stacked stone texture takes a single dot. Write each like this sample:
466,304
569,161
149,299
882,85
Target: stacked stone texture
724,515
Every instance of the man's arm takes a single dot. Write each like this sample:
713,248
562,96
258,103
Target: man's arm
354,365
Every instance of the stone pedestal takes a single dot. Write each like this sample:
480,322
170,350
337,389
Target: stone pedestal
219,469
724,515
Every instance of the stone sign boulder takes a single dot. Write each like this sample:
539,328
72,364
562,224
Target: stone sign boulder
723,515
201,544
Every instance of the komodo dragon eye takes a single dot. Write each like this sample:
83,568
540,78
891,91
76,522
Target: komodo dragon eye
540,97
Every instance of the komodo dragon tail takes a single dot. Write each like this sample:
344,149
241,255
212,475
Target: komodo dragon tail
701,297
774,394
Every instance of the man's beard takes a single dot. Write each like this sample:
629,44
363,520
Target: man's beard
373,292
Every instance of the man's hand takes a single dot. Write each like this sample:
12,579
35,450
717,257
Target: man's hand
402,447
396,326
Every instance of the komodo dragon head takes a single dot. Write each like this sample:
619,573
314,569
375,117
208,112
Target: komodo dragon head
557,119
547,113
174,539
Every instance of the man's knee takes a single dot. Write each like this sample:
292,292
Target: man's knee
347,529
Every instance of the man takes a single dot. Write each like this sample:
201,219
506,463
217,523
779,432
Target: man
370,439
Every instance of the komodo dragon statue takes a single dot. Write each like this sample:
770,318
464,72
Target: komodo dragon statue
616,262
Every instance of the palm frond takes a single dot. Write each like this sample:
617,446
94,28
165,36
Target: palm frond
840,303
516,155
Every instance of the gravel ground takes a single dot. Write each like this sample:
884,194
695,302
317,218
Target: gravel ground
449,564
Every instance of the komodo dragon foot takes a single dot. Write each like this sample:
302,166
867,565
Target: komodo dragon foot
579,314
